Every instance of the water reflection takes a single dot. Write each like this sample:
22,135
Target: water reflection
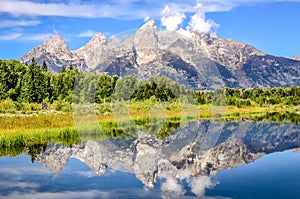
185,162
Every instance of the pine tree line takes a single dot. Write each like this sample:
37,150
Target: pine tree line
34,84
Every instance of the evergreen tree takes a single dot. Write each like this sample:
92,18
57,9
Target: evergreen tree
105,88
33,62
44,66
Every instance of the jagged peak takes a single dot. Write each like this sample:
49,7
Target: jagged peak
296,57
149,24
54,38
144,38
55,42
99,37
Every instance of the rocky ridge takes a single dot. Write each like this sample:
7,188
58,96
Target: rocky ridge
56,53
199,61
98,50
296,57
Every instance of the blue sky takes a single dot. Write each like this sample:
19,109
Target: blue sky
272,26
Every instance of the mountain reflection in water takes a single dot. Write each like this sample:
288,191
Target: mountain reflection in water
191,154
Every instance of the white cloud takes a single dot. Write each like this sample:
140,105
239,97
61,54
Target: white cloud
21,185
10,171
216,6
10,36
81,9
16,7
125,9
199,23
14,23
21,37
86,174
198,5
146,18
171,19
88,33
199,183
38,37
172,186
59,195
21,170
184,32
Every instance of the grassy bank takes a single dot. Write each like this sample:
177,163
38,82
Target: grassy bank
91,115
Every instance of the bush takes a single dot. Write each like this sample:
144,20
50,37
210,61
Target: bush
7,106
19,106
67,107
57,105
31,107
104,109
62,106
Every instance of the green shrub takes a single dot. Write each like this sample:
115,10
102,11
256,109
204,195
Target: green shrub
57,105
7,106
28,107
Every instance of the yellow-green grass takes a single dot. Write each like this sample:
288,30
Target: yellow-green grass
46,121
52,124
36,121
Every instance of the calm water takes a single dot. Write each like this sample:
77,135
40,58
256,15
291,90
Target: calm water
199,160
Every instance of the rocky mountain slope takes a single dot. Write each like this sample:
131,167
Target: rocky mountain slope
96,51
56,53
198,149
296,57
200,61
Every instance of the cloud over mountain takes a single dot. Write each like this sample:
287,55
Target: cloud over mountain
171,19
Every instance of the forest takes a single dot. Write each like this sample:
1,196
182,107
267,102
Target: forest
27,86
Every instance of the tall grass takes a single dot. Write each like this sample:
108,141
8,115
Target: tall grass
14,142
35,121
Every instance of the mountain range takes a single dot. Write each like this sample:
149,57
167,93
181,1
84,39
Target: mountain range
198,149
199,61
